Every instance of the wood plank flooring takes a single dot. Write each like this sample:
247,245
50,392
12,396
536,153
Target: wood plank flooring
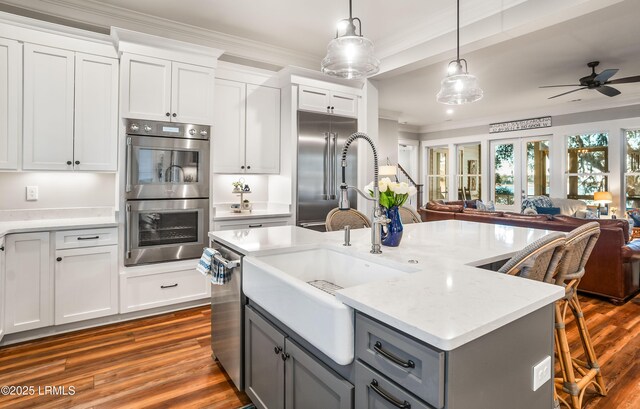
165,362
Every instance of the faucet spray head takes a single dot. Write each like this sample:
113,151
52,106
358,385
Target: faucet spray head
343,203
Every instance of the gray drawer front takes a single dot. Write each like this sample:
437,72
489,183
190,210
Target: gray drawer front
416,367
374,391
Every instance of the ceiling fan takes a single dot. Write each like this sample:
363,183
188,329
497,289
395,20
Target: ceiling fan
599,82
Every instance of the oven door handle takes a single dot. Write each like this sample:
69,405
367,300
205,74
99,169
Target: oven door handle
127,229
128,169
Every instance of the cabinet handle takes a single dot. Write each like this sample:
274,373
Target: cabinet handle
169,286
1,248
59,259
285,356
77,162
69,163
89,238
393,358
253,226
174,115
277,350
395,402
168,114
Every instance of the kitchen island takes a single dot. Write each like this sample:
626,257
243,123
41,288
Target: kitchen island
474,335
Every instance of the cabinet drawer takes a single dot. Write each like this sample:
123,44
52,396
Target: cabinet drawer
405,361
375,391
73,239
155,290
250,224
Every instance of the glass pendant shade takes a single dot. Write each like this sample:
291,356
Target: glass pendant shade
350,57
459,88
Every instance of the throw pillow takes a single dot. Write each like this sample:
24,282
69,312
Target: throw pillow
636,218
548,210
529,211
485,207
533,202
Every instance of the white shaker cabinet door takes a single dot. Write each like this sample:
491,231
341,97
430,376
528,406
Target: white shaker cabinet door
10,102
314,99
227,141
86,283
48,108
263,130
28,291
145,88
192,90
344,104
96,113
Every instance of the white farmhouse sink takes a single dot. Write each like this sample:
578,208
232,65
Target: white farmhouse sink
279,283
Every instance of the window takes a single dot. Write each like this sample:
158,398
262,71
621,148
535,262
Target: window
587,165
437,177
632,170
468,172
538,170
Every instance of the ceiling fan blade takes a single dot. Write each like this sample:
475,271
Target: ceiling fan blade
608,91
554,86
625,80
565,93
605,75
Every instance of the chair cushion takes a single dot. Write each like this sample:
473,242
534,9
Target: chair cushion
569,207
548,210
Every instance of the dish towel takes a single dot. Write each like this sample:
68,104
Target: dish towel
207,264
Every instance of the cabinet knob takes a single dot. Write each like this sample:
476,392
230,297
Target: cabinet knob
277,350
285,356
59,259
1,248
174,115
332,109
328,108
77,162
69,162
168,114
248,167
242,167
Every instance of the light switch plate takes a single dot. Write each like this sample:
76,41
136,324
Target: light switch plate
32,193
541,373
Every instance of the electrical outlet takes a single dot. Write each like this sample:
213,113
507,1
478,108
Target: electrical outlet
541,373
32,193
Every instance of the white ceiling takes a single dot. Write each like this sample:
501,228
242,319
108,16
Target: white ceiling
513,46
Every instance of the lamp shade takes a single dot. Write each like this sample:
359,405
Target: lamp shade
603,197
458,89
388,170
350,57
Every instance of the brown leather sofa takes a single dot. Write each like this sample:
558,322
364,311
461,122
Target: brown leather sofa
614,265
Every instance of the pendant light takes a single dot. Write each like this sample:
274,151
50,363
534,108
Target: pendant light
459,87
350,55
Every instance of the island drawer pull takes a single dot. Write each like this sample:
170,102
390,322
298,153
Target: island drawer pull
378,348
252,226
89,238
169,286
395,402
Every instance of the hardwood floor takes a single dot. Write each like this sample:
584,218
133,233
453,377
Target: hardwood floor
165,362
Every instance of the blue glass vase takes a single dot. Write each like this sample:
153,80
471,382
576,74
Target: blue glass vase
392,232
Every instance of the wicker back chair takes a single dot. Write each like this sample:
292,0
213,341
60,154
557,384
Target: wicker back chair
580,243
539,260
337,219
408,215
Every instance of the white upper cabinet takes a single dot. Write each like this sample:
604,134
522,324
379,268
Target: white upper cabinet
48,108
246,131
70,110
10,102
146,87
96,113
192,90
327,101
161,90
229,127
263,130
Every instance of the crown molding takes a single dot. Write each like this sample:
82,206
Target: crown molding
94,13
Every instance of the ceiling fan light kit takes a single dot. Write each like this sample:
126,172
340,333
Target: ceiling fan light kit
350,55
459,87
599,82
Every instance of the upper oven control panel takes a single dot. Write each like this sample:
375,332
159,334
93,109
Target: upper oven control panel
167,129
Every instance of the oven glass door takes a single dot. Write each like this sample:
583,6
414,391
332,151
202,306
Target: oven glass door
166,168
166,230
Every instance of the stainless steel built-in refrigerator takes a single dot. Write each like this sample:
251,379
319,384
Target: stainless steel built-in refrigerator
320,141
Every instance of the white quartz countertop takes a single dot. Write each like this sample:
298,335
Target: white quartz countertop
27,226
447,302
222,215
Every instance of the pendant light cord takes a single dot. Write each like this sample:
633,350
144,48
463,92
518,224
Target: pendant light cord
350,12
457,31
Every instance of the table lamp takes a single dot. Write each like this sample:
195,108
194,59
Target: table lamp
602,198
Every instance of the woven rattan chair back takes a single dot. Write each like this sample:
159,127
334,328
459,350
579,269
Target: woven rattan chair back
539,260
408,215
337,219
580,244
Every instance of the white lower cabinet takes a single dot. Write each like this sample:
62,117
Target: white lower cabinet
86,283
2,287
244,224
28,290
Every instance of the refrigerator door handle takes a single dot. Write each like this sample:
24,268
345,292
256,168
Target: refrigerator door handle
327,167
334,173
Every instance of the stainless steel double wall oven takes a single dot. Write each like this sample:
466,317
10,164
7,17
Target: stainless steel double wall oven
166,191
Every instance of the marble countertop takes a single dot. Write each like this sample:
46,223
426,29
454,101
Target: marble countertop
448,302
26,221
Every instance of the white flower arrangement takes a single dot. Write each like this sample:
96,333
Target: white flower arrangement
392,193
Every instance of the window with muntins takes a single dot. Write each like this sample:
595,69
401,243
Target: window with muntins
468,174
587,165
437,176
632,169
